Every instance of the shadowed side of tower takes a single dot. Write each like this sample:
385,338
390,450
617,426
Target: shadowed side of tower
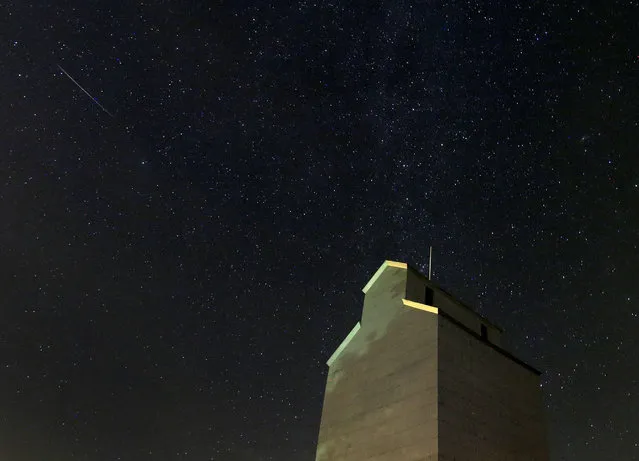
423,377
490,404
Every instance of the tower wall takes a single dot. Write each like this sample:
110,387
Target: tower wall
467,317
416,287
422,378
490,406
381,394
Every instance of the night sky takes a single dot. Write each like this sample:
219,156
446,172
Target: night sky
175,275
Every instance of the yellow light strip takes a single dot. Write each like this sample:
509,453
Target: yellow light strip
397,264
420,306
380,271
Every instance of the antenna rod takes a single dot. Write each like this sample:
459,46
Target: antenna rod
430,262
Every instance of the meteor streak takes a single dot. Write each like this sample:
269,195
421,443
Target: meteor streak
85,91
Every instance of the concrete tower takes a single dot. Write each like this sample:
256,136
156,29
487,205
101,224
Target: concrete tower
422,377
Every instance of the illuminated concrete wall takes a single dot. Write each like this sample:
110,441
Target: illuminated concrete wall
419,382
381,397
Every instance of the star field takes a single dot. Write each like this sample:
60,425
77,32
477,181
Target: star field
174,277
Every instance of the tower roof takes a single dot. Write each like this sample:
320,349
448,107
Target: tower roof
388,263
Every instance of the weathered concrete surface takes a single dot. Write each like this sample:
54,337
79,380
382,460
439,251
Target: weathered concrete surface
381,397
490,407
420,384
